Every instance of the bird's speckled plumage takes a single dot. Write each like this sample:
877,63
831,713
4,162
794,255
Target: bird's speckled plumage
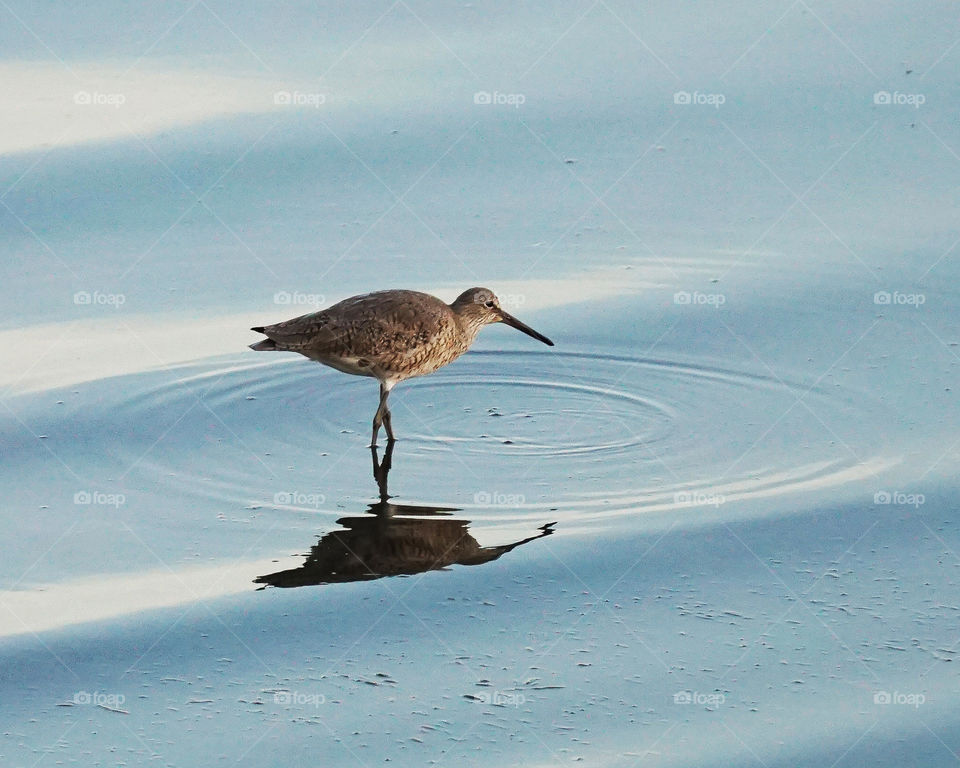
390,335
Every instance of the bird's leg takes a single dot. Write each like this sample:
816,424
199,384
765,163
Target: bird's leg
387,424
382,416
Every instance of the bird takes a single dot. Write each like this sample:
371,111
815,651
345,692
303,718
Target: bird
390,335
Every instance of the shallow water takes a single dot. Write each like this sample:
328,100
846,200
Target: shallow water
715,525
582,439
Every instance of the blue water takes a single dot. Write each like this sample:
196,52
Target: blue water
742,446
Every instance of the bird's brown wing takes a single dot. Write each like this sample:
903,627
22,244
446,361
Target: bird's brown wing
376,325
301,332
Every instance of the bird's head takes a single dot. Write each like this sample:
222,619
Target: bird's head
478,307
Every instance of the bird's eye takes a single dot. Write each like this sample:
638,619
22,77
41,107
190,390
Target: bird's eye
489,304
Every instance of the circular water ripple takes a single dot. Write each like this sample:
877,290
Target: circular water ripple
581,434
572,418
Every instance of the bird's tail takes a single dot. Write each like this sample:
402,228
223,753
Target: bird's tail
263,346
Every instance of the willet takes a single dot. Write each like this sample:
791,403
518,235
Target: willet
390,336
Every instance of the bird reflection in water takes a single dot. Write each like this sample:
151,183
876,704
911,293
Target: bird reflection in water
391,540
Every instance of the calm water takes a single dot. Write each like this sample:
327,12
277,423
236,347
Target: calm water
714,525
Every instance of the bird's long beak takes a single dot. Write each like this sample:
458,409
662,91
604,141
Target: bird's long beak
513,322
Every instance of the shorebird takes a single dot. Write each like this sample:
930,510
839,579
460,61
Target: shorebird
390,336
